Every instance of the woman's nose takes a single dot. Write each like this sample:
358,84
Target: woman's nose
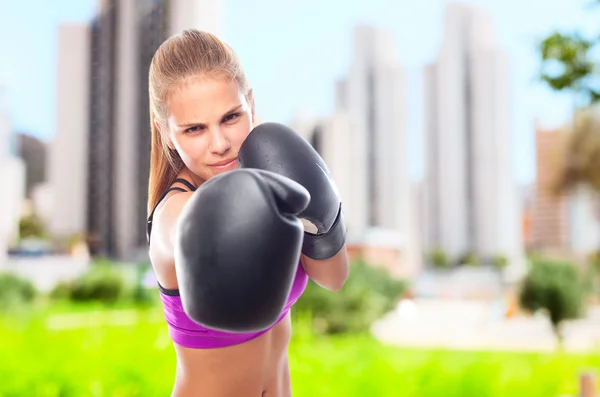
219,143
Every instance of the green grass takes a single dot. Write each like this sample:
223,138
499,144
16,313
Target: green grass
108,355
359,366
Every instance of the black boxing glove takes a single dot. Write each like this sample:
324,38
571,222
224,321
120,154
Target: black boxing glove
275,147
238,244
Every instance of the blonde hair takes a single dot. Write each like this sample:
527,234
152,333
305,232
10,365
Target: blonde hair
180,58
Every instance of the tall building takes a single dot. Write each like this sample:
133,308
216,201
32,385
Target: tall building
471,196
33,152
101,131
565,223
550,215
154,28
5,128
328,136
12,179
68,152
125,36
200,14
584,225
364,144
372,96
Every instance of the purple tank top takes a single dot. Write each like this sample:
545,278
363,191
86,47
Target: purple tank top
187,333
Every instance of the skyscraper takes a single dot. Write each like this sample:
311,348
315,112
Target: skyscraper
550,220
102,84
198,14
364,145
12,179
568,222
584,216
372,97
471,197
328,136
33,153
67,162
5,127
141,28
125,36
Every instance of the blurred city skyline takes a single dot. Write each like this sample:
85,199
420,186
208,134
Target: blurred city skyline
309,52
383,92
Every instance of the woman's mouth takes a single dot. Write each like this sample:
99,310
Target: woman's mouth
226,164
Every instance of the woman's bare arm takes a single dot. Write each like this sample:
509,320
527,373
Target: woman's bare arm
162,239
329,273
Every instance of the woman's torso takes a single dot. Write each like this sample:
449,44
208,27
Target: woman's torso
254,368
218,363
224,366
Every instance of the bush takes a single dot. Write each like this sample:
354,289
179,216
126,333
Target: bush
594,272
468,259
499,261
438,259
31,226
62,291
594,260
368,294
143,293
101,283
556,288
15,291
106,282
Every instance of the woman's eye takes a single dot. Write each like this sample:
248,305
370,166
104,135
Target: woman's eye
195,128
231,117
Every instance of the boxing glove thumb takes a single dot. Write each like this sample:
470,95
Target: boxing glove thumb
290,197
277,148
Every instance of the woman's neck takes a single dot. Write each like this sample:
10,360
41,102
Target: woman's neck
191,177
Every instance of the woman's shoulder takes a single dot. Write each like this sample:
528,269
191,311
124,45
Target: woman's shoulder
164,223
174,200
169,209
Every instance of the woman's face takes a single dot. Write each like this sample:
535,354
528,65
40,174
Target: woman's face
208,120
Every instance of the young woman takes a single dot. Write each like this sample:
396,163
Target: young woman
202,111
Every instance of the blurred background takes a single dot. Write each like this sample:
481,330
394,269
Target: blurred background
464,138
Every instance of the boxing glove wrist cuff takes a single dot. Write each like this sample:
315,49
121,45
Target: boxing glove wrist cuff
326,245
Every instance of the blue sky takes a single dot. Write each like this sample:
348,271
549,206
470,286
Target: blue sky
294,51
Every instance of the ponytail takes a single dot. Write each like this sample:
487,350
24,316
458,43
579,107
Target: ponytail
164,166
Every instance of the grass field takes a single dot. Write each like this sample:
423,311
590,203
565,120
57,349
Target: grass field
101,353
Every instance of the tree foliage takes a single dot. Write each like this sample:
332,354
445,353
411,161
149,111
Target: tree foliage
31,226
555,288
569,63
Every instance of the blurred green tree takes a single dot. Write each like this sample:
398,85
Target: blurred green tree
15,292
499,261
438,259
556,288
569,63
369,293
31,226
102,282
469,258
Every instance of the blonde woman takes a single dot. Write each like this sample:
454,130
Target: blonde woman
202,121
